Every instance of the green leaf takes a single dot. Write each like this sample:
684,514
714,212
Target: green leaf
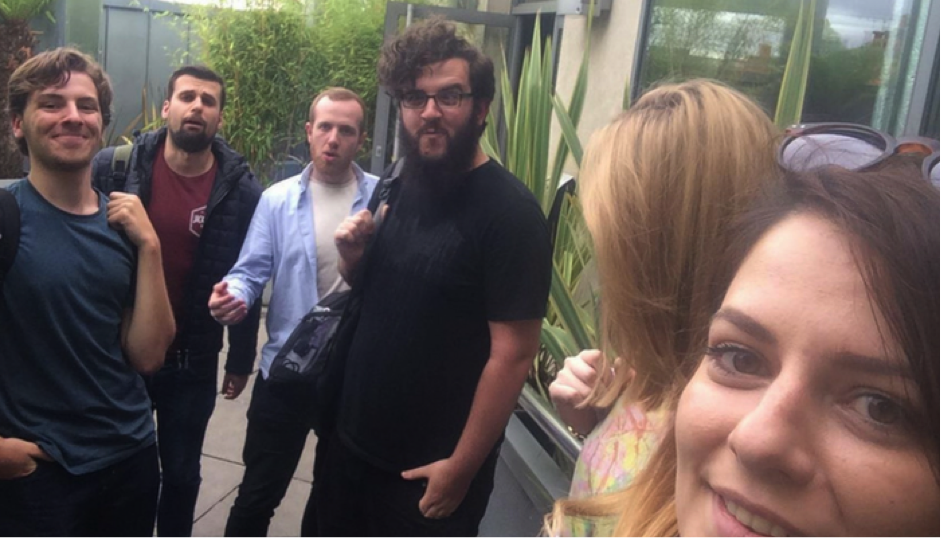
794,84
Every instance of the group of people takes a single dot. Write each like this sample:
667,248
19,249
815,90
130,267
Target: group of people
769,311
132,260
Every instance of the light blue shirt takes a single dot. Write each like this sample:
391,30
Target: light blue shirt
281,247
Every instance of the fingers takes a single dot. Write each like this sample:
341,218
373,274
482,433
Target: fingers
577,378
225,307
355,230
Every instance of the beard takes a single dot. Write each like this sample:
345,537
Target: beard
191,142
439,177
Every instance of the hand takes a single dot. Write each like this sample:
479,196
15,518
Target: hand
445,490
233,385
226,308
125,212
352,235
18,458
575,381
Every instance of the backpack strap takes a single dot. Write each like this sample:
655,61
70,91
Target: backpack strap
119,166
9,232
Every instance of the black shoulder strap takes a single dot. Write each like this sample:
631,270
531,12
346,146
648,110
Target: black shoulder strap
119,166
9,232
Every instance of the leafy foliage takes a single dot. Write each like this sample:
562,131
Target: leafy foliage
16,44
276,56
21,10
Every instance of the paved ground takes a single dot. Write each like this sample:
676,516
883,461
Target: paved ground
222,469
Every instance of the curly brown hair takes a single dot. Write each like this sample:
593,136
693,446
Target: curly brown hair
54,68
422,44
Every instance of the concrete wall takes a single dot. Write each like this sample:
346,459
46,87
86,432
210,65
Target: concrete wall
614,37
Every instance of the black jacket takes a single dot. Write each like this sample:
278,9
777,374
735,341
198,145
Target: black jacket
232,201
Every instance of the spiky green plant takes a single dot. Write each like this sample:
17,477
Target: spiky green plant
570,322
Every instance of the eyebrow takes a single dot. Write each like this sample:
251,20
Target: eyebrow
746,323
874,365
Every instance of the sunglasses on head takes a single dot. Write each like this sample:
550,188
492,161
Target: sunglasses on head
851,146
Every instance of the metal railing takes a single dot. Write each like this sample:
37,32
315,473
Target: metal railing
539,410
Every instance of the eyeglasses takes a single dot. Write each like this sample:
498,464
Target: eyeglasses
851,146
445,98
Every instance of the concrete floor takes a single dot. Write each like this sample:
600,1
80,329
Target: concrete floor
222,469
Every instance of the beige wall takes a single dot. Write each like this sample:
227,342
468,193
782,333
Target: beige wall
613,38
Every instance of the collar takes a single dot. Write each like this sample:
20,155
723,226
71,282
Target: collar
303,180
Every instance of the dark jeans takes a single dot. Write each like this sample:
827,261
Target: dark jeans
273,445
354,498
184,396
120,500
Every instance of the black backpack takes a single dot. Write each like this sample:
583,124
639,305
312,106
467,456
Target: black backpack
9,232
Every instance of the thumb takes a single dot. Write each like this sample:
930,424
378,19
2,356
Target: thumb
415,474
220,287
592,357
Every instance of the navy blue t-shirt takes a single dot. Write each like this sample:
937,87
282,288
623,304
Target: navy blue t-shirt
64,382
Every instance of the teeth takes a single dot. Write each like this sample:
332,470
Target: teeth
756,523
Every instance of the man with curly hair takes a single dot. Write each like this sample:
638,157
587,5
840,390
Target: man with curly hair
453,292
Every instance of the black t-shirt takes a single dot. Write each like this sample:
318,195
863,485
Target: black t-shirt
437,273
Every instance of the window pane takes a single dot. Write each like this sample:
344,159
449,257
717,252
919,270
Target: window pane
863,53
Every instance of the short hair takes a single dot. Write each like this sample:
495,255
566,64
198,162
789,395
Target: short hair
54,68
422,44
202,73
660,187
339,94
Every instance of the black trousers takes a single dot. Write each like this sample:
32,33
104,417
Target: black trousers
355,498
120,500
273,445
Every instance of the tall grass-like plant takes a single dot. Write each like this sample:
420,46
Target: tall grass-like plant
570,322
794,84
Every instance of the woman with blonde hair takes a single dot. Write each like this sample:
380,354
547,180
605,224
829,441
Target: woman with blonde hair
812,407
660,186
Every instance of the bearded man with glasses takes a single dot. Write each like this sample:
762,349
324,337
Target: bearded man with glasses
453,292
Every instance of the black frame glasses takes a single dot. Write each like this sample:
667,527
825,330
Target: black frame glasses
450,98
851,146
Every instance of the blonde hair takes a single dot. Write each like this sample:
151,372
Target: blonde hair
660,188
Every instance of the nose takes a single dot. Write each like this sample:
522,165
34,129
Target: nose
775,439
71,113
333,137
431,110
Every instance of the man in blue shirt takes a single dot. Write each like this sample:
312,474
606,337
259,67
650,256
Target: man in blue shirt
83,311
290,242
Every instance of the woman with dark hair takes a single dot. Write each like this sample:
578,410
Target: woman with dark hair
814,408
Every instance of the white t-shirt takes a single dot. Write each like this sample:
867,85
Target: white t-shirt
331,204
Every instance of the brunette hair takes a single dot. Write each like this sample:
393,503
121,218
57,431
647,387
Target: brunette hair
55,68
422,44
202,73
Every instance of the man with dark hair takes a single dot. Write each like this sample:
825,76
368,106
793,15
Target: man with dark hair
83,311
200,195
291,244
454,290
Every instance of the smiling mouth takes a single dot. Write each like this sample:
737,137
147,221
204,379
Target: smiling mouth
753,521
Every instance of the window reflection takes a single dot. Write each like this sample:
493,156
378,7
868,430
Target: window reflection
863,54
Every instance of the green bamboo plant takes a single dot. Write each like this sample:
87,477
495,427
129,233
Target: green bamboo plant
570,323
